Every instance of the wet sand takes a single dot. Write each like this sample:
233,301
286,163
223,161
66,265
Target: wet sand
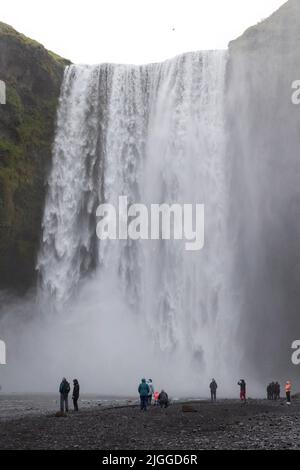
225,425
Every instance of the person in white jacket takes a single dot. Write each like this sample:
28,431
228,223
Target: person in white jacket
151,390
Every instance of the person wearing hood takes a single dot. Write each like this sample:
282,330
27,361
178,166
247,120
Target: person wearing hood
75,395
163,399
144,393
64,390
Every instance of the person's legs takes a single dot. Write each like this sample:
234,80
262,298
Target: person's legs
61,403
288,397
66,403
145,403
75,403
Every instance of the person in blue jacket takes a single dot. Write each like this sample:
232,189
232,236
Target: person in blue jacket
144,392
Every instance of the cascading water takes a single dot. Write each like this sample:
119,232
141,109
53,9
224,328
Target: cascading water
109,312
155,134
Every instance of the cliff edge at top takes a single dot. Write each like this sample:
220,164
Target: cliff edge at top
33,78
277,30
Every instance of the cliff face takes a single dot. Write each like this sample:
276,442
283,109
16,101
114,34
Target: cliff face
33,77
264,145
279,33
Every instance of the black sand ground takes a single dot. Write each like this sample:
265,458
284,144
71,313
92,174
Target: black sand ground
226,425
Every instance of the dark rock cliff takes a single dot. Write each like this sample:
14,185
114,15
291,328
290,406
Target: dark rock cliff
33,78
264,145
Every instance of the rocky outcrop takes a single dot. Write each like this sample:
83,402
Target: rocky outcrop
33,78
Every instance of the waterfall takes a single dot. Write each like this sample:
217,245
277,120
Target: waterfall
156,134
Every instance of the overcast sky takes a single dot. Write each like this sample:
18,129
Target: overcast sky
133,31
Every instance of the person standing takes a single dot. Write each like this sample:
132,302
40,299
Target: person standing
277,391
64,390
273,390
151,391
144,393
213,390
288,390
75,395
242,385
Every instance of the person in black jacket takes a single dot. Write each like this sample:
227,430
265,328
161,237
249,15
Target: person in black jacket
64,390
213,390
75,396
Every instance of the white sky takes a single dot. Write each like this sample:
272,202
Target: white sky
133,31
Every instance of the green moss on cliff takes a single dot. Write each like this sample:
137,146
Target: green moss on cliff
10,32
33,77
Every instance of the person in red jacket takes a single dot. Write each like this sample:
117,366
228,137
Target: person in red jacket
242,385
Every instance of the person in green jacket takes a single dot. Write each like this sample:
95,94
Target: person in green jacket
144,392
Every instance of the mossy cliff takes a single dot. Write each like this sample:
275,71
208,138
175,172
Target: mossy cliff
33,78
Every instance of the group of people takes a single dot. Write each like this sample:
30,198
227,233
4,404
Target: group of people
273,391
147,392
64,390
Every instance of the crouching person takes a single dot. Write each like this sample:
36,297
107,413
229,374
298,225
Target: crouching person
163,399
